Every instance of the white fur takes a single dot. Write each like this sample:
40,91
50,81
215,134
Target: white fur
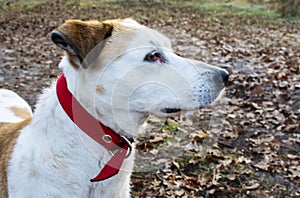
50,159
53,158
9,100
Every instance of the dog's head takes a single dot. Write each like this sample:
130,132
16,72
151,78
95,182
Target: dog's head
122,71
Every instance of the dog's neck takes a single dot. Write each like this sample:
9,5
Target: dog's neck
77,82
118,144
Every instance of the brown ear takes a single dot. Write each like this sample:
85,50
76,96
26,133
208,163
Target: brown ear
78,38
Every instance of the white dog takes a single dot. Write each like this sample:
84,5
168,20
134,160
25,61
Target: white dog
79,141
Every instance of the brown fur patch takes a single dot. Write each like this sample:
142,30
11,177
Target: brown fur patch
100,90
9,132
85,35
121,37
72,60
21,112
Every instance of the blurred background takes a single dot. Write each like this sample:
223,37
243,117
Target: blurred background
248,145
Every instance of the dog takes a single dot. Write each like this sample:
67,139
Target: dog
80,140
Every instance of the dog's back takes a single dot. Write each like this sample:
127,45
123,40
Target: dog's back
15,114
13,108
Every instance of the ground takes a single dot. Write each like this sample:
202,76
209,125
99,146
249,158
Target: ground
247,145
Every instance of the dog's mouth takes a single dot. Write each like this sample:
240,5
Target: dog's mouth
171,110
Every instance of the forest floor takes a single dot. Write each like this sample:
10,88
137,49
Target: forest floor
247,145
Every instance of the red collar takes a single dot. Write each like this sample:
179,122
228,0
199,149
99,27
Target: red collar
116,144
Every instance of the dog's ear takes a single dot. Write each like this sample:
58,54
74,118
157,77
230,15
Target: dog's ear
78,38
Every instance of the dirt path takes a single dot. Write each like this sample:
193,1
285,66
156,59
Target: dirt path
257,149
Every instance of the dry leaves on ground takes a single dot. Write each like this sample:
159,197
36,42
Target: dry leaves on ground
246,146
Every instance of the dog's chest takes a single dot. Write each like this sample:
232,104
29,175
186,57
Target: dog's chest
53,157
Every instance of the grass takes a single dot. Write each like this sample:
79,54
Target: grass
84,4
211,8
230,8
204,9
21,5
97,3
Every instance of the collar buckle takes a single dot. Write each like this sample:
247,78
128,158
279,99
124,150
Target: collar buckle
129,151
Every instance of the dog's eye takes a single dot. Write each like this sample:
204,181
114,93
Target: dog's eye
154,56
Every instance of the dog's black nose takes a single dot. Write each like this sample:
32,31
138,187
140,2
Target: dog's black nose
225,75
